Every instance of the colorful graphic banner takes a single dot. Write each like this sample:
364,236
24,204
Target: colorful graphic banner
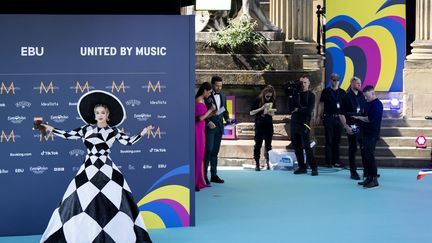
47,62
366,39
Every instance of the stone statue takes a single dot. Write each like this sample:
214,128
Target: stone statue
210,21
254,6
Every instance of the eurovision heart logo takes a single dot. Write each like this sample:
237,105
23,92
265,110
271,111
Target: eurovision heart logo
375,52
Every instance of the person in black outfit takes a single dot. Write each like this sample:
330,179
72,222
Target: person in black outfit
215,129
330,104
263,109
371,126
353,103
301,105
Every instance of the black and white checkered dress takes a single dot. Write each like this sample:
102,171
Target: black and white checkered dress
98,205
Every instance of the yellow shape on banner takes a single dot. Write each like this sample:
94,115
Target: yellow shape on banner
338,32
152,220
394,10
349,74
387,47
362,11
229,107
177,193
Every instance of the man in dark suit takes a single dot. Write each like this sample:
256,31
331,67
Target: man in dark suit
215,129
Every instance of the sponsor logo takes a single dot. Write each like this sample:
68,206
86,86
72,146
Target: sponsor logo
46,88
73,103
133,103
58,169
81,88
77,152
59,118
137,151
121,87
46,137
154,87
5,89
20,154
155,133
38,170
5,137
19,170
131,167
147,167
2,105
158,102
162,166
16,119
157,150
142,116
43,104
23,104
161,116
49,153
3,171
75,168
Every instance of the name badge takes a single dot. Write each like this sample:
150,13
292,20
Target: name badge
358,109
338,105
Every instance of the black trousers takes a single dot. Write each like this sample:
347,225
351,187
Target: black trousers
368,150
300,138
213,142
263,132
333,130
353,140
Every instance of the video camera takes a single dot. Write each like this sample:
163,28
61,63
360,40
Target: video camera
292,87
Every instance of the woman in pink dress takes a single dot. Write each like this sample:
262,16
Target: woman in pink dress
201,113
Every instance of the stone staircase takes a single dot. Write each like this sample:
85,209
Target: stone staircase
396,147
245,74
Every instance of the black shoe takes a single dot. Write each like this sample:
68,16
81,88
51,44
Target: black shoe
366,175
372,183
314,172
366,181
355,176
216,179
300,171
257,166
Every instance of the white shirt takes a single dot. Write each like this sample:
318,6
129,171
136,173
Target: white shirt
218,100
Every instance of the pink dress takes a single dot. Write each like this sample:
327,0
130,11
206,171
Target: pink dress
200,141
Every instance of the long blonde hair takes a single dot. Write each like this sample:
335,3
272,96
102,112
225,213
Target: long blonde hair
268,89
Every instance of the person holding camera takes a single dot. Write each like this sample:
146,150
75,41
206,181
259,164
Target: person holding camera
353,104
264,110
329,109
301,105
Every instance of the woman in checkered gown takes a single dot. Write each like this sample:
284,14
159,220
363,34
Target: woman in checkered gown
98,205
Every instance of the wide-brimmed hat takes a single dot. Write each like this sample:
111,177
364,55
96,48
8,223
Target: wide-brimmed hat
89,100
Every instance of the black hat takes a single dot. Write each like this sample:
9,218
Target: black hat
89,100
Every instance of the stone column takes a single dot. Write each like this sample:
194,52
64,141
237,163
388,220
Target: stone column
422,46
418,66
294,17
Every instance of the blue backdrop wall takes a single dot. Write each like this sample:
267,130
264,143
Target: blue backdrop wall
47,62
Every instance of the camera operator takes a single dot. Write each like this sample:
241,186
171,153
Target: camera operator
301,105
353,104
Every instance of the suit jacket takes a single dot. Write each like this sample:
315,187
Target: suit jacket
217,119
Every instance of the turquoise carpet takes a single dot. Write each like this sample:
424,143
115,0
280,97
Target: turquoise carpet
277,206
